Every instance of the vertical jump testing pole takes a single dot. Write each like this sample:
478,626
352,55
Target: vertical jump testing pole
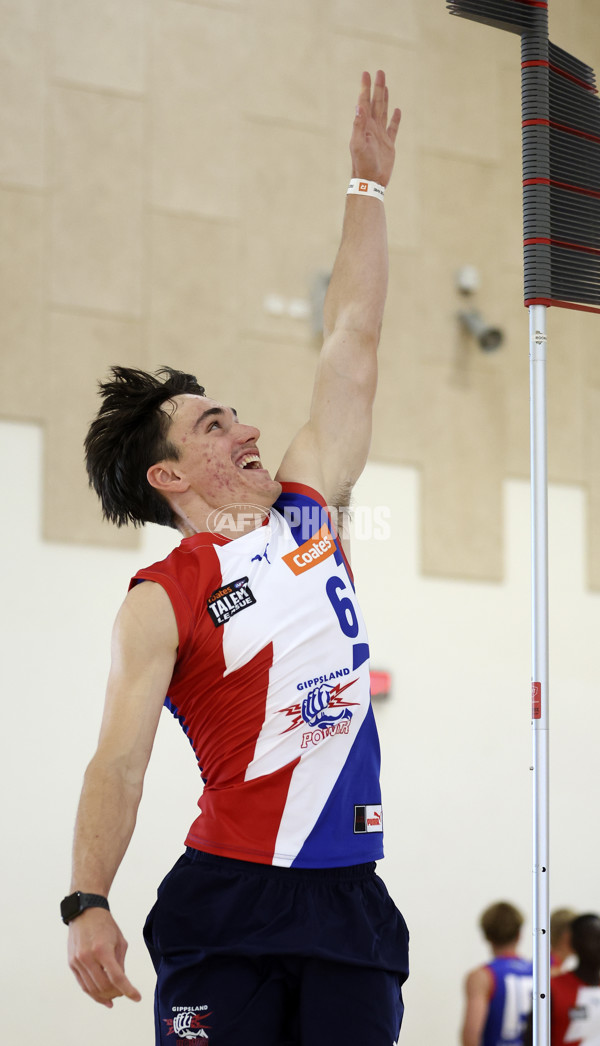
561,247
539,673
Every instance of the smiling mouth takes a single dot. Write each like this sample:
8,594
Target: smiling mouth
250,461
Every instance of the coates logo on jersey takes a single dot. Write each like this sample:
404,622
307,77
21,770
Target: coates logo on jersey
323,709
313,551
188,1023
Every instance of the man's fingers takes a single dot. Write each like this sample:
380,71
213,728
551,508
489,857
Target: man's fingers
378,106
93,983
113,980
384,115
81,980
394,124
364,97
104,982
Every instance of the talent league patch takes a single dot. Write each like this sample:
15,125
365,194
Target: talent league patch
368,819
227,601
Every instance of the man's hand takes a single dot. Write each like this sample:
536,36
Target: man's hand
97,955
372,142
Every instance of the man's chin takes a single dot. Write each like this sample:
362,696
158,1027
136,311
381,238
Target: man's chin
268,489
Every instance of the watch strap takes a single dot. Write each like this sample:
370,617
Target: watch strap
77,902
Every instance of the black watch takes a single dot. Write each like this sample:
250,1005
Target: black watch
76,903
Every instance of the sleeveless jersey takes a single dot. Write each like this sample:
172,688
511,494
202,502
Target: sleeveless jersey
271,685
574,1011
510,1002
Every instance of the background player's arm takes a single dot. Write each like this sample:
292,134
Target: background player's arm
144,649
478,990
330,452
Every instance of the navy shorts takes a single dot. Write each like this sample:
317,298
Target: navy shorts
254,955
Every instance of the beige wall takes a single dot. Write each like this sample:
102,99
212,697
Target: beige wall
166,165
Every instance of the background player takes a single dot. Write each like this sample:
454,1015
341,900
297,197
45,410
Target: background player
498,995
575,995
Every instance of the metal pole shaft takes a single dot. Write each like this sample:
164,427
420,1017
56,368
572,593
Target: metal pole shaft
539,672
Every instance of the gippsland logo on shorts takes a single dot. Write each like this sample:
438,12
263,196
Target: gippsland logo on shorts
313,551
227,601
188,1023
322,708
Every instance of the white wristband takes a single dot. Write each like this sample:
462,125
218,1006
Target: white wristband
361,187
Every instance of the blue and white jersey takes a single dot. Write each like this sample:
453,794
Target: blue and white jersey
510,1003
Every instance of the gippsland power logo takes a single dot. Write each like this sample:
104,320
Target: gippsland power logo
322,708
188,1023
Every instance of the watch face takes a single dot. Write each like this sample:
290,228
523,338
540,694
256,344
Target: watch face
70,907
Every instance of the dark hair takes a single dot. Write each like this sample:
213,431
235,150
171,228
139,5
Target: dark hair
127,436
501,923
580,930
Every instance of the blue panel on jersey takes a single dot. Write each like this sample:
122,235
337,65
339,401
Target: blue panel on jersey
304,516
360,654
358,784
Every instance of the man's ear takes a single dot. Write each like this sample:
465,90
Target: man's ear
166,478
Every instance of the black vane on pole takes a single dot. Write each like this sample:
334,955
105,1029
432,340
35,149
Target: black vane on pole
561,158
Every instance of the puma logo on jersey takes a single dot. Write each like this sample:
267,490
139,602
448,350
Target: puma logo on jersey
313,551
368,819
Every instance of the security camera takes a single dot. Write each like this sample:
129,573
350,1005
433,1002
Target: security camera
489,338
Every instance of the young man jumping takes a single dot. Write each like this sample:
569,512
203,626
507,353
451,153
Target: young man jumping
273,928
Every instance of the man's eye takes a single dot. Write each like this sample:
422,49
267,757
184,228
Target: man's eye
214,424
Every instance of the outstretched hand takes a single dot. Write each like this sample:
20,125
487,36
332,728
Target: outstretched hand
372,143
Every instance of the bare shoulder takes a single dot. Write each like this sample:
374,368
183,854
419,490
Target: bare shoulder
147,618
479,982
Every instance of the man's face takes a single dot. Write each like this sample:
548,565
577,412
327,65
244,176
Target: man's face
218,455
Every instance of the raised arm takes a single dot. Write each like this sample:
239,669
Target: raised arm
143,655
330,451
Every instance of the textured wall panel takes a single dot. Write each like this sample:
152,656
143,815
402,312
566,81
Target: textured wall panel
270,385
460,93
193,285
287,70
199,59
97,200
380,18
22,92
566,386
457,202
462,475
287,208
99,42
80,351
401,405
22,355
